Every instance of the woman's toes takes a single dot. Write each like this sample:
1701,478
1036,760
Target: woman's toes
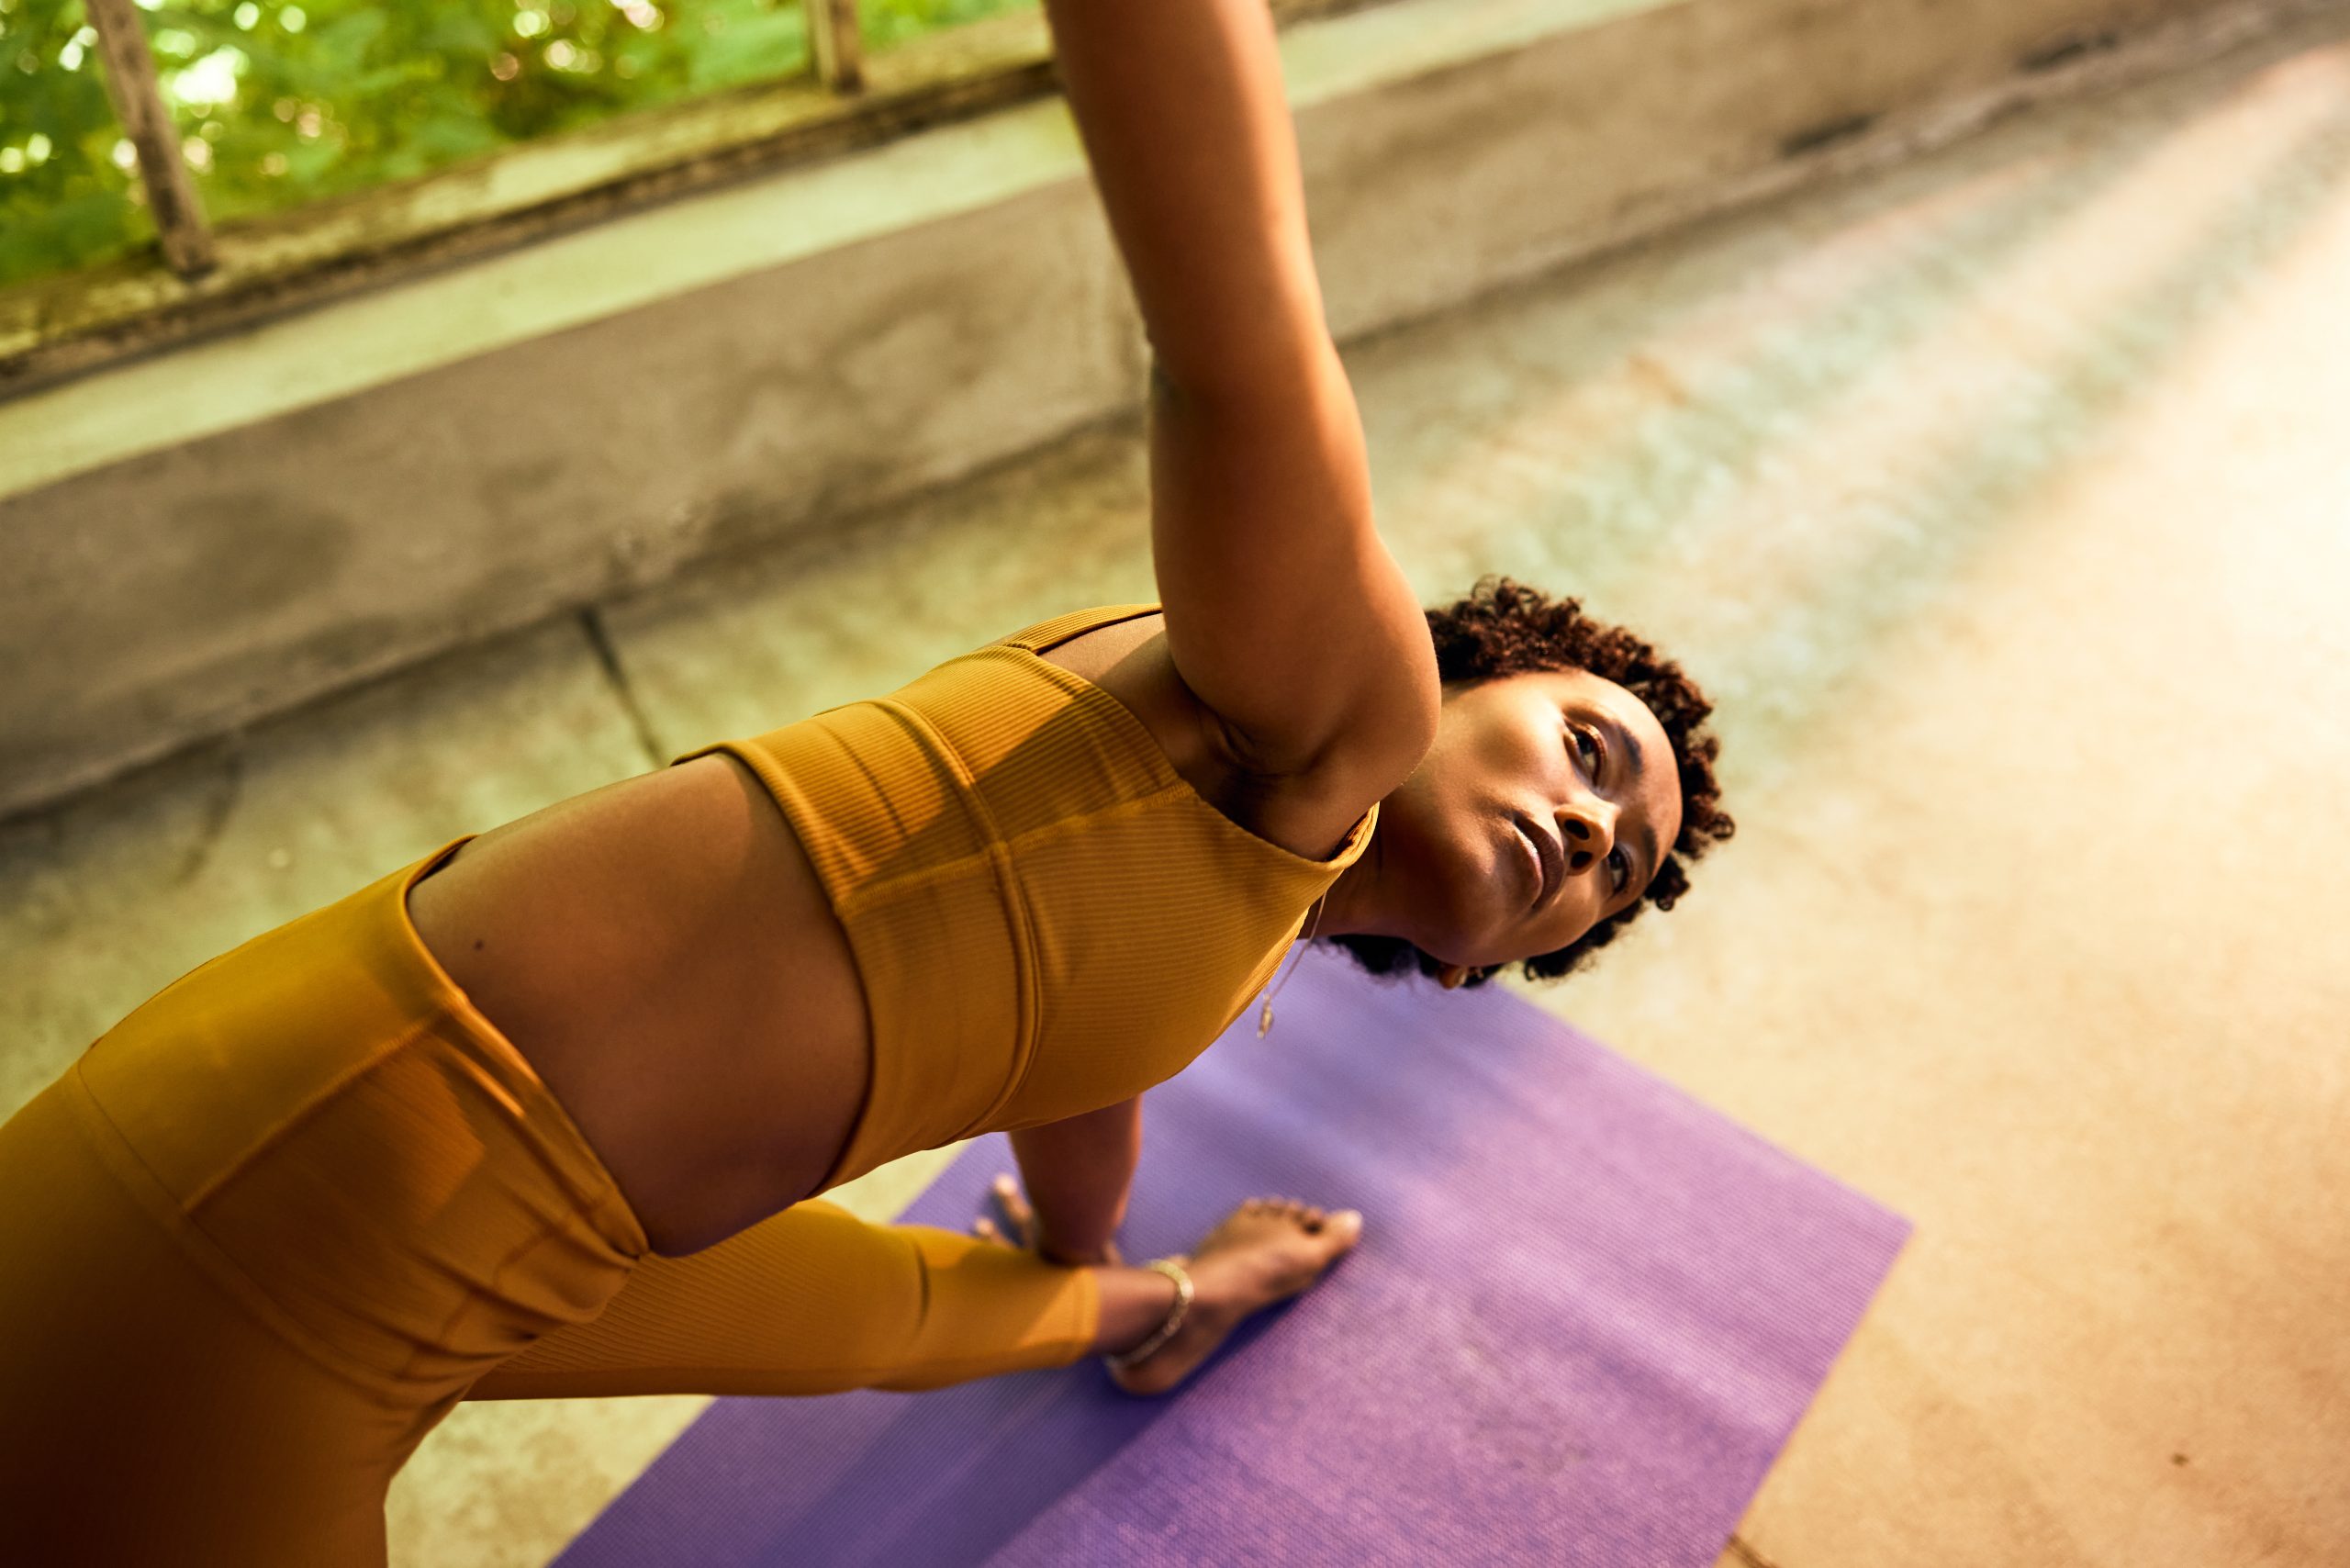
1342,1230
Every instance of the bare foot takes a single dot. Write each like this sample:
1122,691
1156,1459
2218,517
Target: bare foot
1266,1250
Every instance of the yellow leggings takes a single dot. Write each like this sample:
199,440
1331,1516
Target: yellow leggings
274,1224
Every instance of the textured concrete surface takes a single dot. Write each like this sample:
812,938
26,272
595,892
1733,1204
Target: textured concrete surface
1998,498
196,541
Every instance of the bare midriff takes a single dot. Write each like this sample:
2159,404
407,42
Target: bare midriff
664,954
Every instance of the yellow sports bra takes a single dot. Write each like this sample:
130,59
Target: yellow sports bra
1047,918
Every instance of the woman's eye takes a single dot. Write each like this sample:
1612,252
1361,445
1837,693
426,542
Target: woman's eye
1588,750
1619,869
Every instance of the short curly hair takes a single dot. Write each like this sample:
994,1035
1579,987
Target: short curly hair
1504,628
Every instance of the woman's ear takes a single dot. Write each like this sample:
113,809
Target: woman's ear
1451,976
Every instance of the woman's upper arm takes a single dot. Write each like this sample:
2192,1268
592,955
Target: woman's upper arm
1286,614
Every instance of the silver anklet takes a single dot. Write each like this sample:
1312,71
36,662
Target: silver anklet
1151,1347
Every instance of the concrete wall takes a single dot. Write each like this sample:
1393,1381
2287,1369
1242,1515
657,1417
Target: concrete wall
206,539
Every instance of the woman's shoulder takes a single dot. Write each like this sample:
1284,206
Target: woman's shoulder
1309,814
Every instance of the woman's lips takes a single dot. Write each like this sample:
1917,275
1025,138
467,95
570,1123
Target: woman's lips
1547,860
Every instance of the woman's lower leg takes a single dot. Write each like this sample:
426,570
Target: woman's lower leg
1135,1302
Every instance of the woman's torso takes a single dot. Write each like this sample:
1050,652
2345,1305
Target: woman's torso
666,955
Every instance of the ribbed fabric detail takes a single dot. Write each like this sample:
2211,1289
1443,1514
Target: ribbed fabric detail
815,1301
1047,918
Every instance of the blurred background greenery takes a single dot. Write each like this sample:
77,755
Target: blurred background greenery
280,103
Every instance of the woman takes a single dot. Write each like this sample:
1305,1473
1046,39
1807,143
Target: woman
546,1112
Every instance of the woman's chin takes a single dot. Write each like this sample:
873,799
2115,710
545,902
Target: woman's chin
1482,955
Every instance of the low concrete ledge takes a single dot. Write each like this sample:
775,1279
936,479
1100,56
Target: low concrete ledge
195,541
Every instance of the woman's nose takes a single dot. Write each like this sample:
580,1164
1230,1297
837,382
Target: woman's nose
1588,833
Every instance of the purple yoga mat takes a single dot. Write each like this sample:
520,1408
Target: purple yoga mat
1585,1315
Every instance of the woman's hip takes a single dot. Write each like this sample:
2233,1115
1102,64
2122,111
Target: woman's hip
151,1411
323,1125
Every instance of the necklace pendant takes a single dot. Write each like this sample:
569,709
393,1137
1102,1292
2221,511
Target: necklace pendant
1265,1017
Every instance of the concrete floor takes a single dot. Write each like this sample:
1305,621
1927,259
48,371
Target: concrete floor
2001,502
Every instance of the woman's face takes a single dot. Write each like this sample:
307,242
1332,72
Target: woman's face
1544,806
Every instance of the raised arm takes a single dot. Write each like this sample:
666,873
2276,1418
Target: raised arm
1286,615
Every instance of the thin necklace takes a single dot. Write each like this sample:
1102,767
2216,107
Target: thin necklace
1265,1018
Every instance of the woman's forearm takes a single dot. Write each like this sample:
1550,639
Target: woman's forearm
1077,1172
1181,107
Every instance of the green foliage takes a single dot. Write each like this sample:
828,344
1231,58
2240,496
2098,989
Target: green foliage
884,23
281,103
62,200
